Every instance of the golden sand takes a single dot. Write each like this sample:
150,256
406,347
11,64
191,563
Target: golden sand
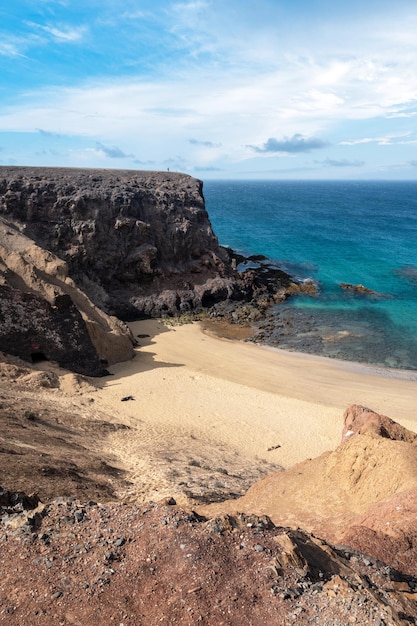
194,391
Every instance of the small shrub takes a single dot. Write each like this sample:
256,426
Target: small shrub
31,416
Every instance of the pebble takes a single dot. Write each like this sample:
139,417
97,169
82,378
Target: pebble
57,595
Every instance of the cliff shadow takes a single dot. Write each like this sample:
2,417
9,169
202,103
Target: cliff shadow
144,332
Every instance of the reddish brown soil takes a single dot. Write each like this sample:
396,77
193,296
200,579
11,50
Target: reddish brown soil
121,564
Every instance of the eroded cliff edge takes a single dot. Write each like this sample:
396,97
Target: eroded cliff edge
109,243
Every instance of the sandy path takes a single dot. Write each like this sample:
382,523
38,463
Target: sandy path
201,401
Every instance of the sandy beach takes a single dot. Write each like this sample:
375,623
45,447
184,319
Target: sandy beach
210,405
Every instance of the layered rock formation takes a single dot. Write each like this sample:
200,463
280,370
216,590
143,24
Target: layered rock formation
43,314
363,494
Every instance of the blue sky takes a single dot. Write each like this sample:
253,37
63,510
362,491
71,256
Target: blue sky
232,89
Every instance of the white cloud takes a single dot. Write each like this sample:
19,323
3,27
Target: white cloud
388,140
9,49
231,75
133,15
394,115
356,142
61,33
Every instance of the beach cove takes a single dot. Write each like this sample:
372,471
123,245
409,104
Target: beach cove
199,402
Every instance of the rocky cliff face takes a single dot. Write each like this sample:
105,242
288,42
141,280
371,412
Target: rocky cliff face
36,330
43,314
119,243
138,243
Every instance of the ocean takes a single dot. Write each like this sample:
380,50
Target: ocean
355,232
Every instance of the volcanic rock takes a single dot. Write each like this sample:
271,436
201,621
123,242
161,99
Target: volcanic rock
138,243
35,330
362,290
86,247
154,563
359,420
387,531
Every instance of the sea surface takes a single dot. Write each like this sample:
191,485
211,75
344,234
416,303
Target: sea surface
332,232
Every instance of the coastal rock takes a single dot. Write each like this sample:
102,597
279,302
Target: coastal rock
137,243
408,272
387,531
361,289
359,420
35,330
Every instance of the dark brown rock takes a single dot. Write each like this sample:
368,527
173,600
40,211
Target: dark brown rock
33,329
41,305
361,289
138,243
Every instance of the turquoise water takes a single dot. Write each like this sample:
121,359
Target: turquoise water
352,232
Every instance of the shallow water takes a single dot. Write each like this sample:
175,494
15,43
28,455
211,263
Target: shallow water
352,232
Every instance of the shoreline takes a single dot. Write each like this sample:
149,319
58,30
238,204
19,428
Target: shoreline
354,366
244,333
337,371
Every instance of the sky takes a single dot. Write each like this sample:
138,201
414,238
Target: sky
219,89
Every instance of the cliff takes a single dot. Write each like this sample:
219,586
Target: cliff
43,314
138,243
114,243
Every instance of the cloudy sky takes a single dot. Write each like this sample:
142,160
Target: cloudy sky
228,89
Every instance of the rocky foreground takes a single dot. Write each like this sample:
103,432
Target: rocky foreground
86,563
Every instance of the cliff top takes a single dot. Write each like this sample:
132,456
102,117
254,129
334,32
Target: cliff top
103,174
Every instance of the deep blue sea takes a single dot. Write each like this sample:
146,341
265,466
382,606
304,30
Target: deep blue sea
333,232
